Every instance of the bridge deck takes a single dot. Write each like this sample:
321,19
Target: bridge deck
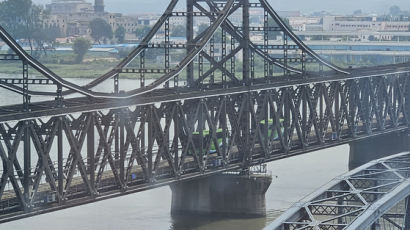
84,104
46,200
163,174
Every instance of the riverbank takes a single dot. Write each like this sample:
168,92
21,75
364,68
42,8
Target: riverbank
97,64
83,70
94,65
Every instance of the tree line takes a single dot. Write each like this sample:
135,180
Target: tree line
25,20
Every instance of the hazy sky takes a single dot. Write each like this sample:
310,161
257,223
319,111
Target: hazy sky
306,6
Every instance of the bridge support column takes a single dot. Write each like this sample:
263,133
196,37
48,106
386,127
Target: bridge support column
366,150
223,194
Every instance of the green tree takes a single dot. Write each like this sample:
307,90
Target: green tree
372,38
80,48
52,33
272,23
22,19
120,34
178,31
395,11
202,28
217,35
141,31
46,35
100,29
357,12
123,52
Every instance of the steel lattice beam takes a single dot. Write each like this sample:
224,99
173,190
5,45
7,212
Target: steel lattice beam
195,45
306,118
375,194
103,145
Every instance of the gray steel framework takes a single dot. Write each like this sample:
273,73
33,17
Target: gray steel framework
373,196
66,152
218,14
141,147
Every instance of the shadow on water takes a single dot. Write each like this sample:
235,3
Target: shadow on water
195,222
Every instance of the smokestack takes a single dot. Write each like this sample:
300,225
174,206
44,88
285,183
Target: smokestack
99,6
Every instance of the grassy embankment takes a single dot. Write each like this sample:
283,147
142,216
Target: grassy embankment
96,64
62,64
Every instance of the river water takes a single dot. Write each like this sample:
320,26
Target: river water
293,178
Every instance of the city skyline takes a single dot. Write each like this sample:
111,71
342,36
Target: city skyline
336,7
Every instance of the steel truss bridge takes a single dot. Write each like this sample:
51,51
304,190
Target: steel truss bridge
374,196
210,109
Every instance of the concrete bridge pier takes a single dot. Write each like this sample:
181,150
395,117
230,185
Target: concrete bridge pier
222,194
364,151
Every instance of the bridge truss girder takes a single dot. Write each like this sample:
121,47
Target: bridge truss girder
95,155
234,63
373,196
65,152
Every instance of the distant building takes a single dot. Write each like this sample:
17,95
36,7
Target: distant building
287,14
177,21
302,23
147,19
363,23
313,27
143,22
68,6
57,20
74,16
129,23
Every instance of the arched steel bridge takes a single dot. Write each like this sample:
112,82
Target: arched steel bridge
214,107
373,196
